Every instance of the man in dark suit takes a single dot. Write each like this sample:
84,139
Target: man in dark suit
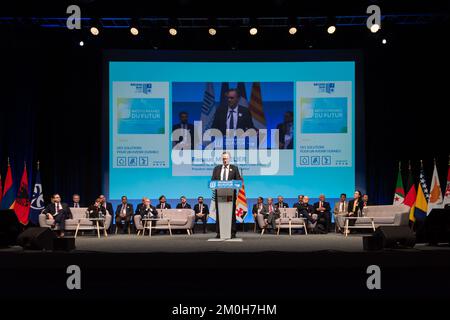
57,212
323,210
273,213
162,203
285,130
188,130
109,208
183,203
124,212
138,207
281,203
147,211
233,116
76,201
298,204
260,208
201,213
226,171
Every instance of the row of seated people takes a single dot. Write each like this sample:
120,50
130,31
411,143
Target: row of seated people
318,215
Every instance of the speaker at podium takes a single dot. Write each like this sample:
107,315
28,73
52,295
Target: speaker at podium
225,199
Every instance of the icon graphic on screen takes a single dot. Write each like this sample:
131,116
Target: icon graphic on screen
326,160
304,160
315,160
132,161
121,161
143,161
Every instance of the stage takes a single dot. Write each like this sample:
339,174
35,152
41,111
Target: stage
252,242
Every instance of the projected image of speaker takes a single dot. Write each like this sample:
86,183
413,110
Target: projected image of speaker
36,239
9,228
395,237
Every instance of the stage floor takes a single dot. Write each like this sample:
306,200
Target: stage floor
251,242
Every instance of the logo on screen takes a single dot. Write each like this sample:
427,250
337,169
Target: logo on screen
144,88
327,87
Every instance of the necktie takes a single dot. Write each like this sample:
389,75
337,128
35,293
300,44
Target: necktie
231,117
162,205
270,208
224,174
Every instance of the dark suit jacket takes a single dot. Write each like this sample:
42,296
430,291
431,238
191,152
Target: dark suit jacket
144,211
205,209
233,173
326,205
167,206
282,127
51,208
109,207
264,209
306,210
244,119
186,206
129,209
285,205
94,211
358,210
138,208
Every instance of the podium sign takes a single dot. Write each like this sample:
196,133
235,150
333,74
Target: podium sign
225,200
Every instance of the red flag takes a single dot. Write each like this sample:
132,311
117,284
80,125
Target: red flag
22,203
410,200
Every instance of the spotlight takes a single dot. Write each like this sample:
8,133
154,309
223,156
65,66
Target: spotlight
374,28
212,31
331,29
292,30
384,41
81,43
253,31
134,31
173,31
94,31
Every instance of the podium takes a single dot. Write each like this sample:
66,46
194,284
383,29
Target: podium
225,199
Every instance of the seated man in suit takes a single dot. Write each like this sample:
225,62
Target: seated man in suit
323,210
124,212
96,211
147,211
286,131
232,116
307,212
281,203
108,206
162,203
76,201
340,211
201,213
365,199
183,203
298,204
273,213
138,207
57,212
258,208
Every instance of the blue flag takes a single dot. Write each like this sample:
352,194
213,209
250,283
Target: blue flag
37,200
